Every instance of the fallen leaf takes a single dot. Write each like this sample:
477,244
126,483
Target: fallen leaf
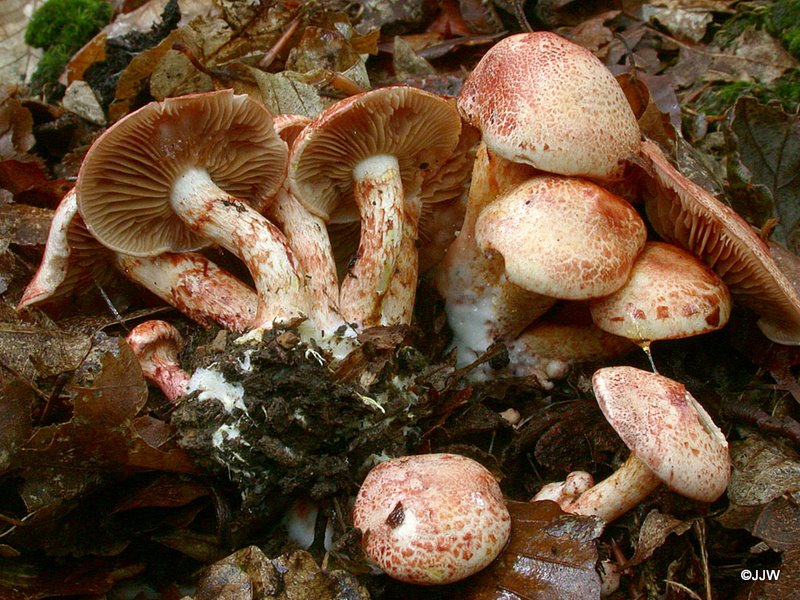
284,95
24,225
764,156
16,123
17,59
249,574
551,555
655,530
763,469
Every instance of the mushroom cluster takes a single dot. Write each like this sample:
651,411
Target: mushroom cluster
505,191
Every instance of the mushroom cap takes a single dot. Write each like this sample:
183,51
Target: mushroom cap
126,178
667,429
155,342
72,257
289,126
431,519
419,128
670,294
683,213
563,238
541,100
568,334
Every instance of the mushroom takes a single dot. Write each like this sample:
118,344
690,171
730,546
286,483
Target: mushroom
685,214
156,345
563,336
369,154
671,437
190,282
175,174
541,100
308,239
670,294
431,519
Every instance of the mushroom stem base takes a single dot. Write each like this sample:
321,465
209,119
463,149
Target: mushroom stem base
617,494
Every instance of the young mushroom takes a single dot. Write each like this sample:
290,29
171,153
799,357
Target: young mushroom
369,154
156,345
190,282
671,437
431,519
670,294
176,174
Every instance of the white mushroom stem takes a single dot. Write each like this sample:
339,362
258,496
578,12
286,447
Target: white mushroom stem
195,286
156,345
231,223
308,238
619,493
482,305
379,194
190,282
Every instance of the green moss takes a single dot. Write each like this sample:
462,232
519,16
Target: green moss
786,91
61,27
784,23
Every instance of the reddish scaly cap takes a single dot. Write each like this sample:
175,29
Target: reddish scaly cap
431,519
667,429
541,100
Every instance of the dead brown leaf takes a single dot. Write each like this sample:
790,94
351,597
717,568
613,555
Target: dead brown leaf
551,555
655,530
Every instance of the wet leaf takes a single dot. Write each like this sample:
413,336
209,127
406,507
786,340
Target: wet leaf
167,490
33,351
407,63
24,225
764,160
551,555
21,580
655,530
15,419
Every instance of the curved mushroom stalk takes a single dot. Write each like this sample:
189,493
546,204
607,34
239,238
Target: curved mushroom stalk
179,174
190,282
195,286
156,345
375,149
671,438
308,238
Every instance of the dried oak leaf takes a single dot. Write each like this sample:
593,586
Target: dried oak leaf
763,469
764,161
104,430
16,126
551,555
654,531
24,225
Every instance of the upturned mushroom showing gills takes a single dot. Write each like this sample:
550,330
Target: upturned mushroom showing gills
369,154
671,437
431,519
175,174
188,281
685,214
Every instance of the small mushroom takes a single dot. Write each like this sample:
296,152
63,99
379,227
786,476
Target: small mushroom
431,519
176,174
671,437
670,294
156,345
369,154
190,282
685,214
